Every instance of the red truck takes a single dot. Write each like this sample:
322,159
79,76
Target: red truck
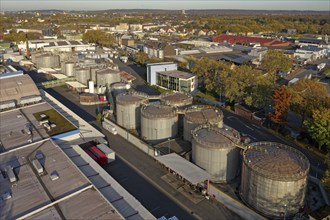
99,156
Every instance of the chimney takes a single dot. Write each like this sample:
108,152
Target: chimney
27,46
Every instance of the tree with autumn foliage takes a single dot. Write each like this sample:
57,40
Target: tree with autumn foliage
282,100
141,58
319,127
308,95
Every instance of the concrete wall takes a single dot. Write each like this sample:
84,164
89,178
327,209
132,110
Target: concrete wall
133,139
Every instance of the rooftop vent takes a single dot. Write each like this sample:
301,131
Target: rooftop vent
54,175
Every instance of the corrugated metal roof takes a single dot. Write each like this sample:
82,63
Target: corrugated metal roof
184,168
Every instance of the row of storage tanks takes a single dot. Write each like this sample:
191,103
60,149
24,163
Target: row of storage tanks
84,71
268,184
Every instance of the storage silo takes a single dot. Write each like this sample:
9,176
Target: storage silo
274,179
69,68
158,123
176,99
216,150
82,74
107,76
118,88
93,73
200,114
48,61
128,109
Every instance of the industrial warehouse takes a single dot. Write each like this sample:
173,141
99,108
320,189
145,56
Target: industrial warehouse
45,174
188,139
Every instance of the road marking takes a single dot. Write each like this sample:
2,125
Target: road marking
250,136
255,126
158,207
249,127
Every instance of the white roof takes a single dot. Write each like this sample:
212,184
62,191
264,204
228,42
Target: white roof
76,84
59,76
184,168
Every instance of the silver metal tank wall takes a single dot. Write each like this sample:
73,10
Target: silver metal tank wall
93,73
82,75
118,88
274,179
62,67
69,68
48,61
215,150
176,99
64,56
128,109
158,123
34,55
107,76
198,115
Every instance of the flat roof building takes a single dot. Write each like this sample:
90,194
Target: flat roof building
177,80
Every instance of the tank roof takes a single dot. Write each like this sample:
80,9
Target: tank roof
214,137
276,161
204,114
131,98
157,111
176,98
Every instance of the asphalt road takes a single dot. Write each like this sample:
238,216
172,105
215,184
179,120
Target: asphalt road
141,176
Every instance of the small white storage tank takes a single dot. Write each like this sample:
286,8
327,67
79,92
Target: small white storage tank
69,68
215,150
198,115
128,109
82,75
158,123
91,87
107,77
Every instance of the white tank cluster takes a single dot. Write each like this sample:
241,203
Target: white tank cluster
47,61
198,115
179,100
82,74
128,109
158,123
274,179
215,150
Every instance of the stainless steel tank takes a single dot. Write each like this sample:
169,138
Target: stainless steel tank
198,115
107,76
69,68
82,75
216,150
48,61
128,109
274,179
176,99
158,123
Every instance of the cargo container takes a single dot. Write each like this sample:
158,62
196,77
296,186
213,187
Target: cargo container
91,155
110,154
100,156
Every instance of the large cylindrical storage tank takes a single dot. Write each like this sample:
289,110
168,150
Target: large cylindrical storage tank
128,109
198,115
48,61
176,99
62,67
215,150
82,75
107,76
274,179
158,123
69,68
119,88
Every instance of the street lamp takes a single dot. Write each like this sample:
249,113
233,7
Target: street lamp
284,212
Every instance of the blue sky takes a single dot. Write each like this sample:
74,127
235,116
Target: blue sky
19,5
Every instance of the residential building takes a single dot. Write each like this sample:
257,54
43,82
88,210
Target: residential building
158,49
310,52
177,80
312,42
152,68
244,40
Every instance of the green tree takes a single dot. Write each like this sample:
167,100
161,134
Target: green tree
141,58
275,61
99,37
282,100
319,127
